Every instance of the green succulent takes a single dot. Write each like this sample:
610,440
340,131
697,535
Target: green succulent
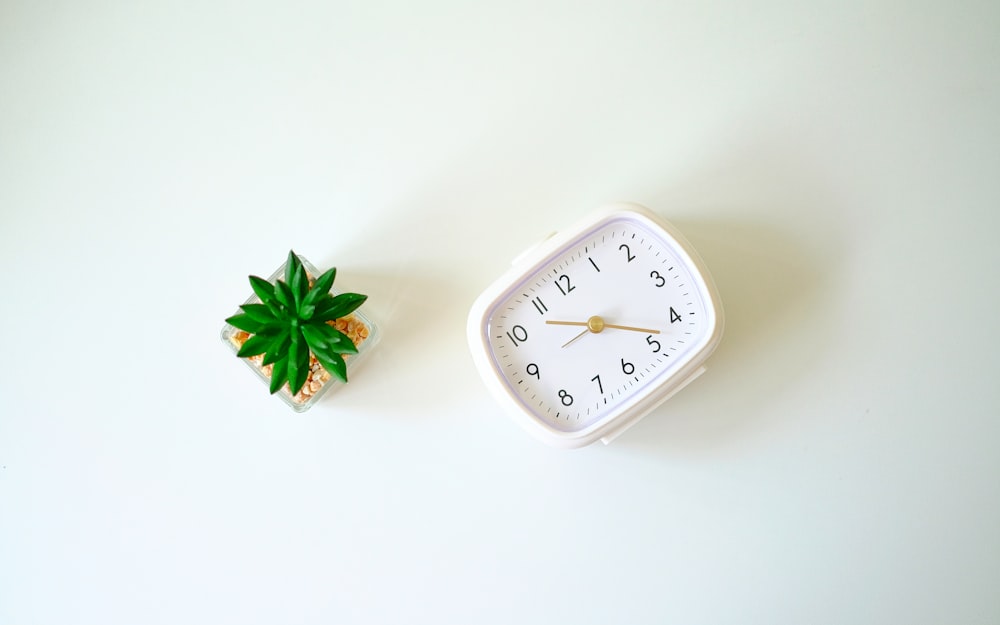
291,321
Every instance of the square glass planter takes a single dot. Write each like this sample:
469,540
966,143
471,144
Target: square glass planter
357,325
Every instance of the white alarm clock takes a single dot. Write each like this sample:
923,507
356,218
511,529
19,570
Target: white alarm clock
596,327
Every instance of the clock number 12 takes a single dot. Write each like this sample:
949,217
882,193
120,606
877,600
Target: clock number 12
569,287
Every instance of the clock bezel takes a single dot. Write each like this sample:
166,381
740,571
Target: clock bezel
532,261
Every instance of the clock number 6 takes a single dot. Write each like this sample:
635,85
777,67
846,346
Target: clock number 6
627,367
653,343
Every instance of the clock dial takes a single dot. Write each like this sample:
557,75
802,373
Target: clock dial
594,328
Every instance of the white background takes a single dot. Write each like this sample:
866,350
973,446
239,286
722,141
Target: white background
836,164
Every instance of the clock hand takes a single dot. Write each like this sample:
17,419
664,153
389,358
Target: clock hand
567,323
576,338
596,324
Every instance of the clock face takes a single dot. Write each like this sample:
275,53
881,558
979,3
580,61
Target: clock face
599,324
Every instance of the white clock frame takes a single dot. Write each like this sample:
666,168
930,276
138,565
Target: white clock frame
644,401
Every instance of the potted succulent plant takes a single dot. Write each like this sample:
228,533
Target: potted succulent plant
298,334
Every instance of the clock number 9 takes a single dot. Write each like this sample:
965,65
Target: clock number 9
532,369
517,335
653,343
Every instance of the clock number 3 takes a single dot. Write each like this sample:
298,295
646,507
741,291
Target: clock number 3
660,280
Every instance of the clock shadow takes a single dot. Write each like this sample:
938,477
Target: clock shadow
773,291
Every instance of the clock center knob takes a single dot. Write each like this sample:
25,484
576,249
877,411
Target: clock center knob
595,324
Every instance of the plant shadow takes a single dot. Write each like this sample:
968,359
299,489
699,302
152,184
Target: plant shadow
419,299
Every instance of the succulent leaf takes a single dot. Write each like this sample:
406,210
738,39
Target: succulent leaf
291,266
299,285
284,294
321,287
339,306
263,289
255,345
337,340
298,361
335,365
278,348
312,336
260,312
279,375
243,322
323,338
303,365
326,352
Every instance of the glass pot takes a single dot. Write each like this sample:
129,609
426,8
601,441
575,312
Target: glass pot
357,325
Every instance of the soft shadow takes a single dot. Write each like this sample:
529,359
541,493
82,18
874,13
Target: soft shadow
768,220
773,291
405,304
419,298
